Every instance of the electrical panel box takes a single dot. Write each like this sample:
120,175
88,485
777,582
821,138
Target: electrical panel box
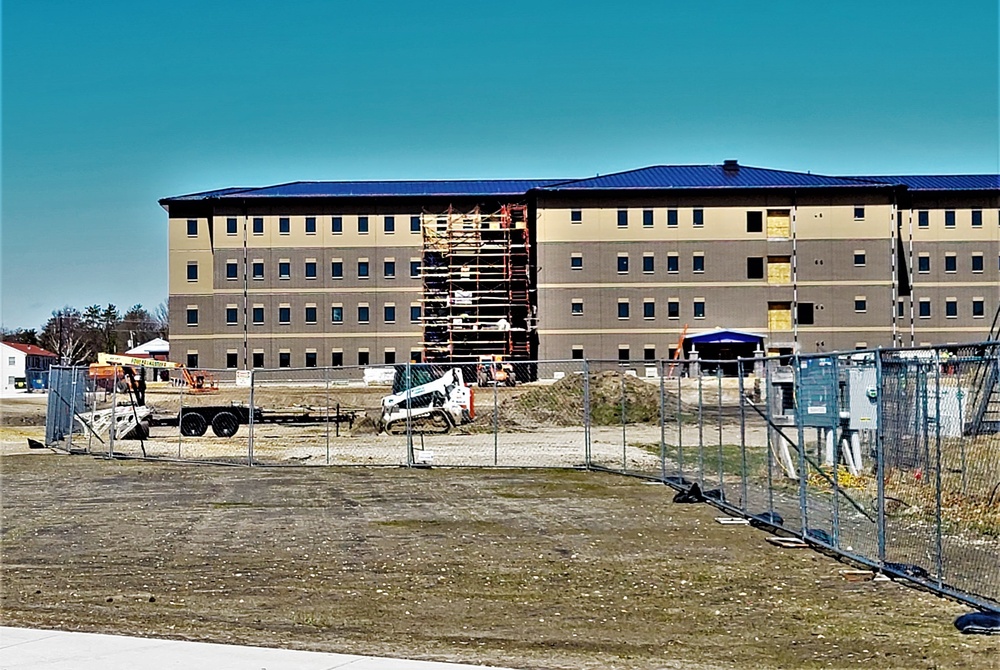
817,392
862,399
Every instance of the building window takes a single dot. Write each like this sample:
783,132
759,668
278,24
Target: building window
284,359
698,217
699,308
623,309
284,269
337,225
192,227
576,307
230,226
648,309
310,359
673,309
622,263
232,270
414,224
900,308
623,218
363,313
258,315
232,316
647,218
755,267
363,269
414,313
284,315
310,225
860,304
924,308
624,353
192,359
389,224
673,263
310,269
311,314
698,263
977,218
805,313
232,360
389,356
950,263
977,263
257,269
649,353
575,216
923,263
284,225
336,314
978,308
859,213
414,269
923,219
576,262
258,359
258,225
576,353
951,308
860,259
389,269
389,312
648,263
363,357
672,218
192,316
755,222
337,359
337,269
363,225
949,218
192,271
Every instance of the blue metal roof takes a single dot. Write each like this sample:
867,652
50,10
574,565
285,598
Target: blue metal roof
945,182
661,177
347,189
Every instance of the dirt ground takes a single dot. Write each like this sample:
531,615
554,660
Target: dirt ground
527,569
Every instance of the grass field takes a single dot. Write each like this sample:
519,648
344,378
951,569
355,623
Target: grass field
527,569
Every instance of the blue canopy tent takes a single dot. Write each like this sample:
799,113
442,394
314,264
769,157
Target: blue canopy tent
723,345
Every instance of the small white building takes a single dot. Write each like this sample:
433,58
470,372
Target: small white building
24,367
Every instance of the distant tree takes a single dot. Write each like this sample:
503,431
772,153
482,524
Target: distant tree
65,335
162,316
138,326
101,325
21,335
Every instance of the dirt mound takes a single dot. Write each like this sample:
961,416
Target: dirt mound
561,403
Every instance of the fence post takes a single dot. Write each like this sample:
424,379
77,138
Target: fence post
72,410
701,432
409,416
743,435
663,423
180,415
880,455
803,502
624,436
837,435
718,418
326,385
114,412
250,425
680,432
768,387
496,426
586,413
939,561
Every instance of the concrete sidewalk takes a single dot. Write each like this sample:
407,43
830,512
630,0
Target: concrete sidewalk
22,648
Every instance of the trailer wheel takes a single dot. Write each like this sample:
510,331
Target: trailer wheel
193,425
225,424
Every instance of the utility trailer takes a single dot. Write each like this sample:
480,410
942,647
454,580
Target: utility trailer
225,420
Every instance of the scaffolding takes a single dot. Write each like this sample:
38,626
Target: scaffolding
478,298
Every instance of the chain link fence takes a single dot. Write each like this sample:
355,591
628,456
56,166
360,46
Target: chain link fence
888,457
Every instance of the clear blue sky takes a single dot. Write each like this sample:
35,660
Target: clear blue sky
110,105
